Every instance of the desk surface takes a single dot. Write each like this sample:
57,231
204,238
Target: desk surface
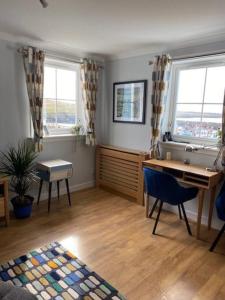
179,165
4,178
190,174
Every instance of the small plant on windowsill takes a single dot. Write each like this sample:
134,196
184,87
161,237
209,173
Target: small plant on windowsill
219,136
18,164
77,129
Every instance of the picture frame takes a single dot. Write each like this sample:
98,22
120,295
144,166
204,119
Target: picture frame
129,101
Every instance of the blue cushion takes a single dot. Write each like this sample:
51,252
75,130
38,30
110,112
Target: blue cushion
166,188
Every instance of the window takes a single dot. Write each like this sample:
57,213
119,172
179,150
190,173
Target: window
61,97
197,92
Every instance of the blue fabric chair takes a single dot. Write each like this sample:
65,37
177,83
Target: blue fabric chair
220,208
165,188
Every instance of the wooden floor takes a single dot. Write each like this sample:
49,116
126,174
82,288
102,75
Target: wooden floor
114,238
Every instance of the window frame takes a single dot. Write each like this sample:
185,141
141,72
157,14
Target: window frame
178,66
64,65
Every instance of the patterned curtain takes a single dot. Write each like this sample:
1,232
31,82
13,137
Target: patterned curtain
34,69
223,135
89,79
160,83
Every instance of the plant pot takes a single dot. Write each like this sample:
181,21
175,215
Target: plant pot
22,210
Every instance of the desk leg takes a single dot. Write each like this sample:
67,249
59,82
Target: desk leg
211,205
201,196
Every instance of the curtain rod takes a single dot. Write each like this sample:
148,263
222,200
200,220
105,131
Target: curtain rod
193,57
76,61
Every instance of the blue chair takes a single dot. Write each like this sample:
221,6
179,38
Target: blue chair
165,188
220,208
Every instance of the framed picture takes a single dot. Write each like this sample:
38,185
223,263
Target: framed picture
129,101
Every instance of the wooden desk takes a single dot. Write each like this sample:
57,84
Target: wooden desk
4,210
192,175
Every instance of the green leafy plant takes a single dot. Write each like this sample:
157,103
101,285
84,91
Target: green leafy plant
18,163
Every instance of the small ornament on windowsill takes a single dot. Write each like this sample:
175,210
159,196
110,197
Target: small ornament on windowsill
167,136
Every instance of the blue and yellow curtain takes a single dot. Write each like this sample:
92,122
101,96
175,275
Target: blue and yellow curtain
89,80
160,84
33,60
223,135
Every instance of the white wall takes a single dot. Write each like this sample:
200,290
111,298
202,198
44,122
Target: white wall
15,120
122,134
138,136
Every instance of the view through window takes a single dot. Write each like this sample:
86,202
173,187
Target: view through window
60,99
199,102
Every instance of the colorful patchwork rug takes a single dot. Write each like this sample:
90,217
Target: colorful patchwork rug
52,272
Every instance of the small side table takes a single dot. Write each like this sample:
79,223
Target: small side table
54,170
4,205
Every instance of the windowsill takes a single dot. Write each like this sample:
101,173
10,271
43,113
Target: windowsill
64,137
178,146
60,138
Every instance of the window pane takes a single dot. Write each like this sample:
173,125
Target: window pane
191,85
66,113
66,84
215,85
49,113
211,120
188,120
50,83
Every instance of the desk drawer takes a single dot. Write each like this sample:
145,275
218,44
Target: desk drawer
2,207
196,179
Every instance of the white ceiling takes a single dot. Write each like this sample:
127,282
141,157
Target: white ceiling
112,27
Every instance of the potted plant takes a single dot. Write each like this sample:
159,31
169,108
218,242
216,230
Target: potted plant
76,129
18,164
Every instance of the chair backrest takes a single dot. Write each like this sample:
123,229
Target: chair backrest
161,185
220,203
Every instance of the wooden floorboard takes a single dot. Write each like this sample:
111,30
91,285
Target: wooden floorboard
113,237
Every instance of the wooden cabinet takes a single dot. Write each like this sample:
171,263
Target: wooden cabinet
4,209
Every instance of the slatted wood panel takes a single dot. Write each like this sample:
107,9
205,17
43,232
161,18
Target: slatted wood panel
4,211
121,170
2,207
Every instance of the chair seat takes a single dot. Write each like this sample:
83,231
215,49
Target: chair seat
186,195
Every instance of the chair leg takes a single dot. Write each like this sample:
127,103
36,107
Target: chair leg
39,193
186,220
153,208
58,188
180,215
157,218
217,238
49,195
147,206
68,191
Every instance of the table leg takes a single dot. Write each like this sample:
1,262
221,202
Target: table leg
58,188
39,193
201,196
68,191
49,195
211,205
